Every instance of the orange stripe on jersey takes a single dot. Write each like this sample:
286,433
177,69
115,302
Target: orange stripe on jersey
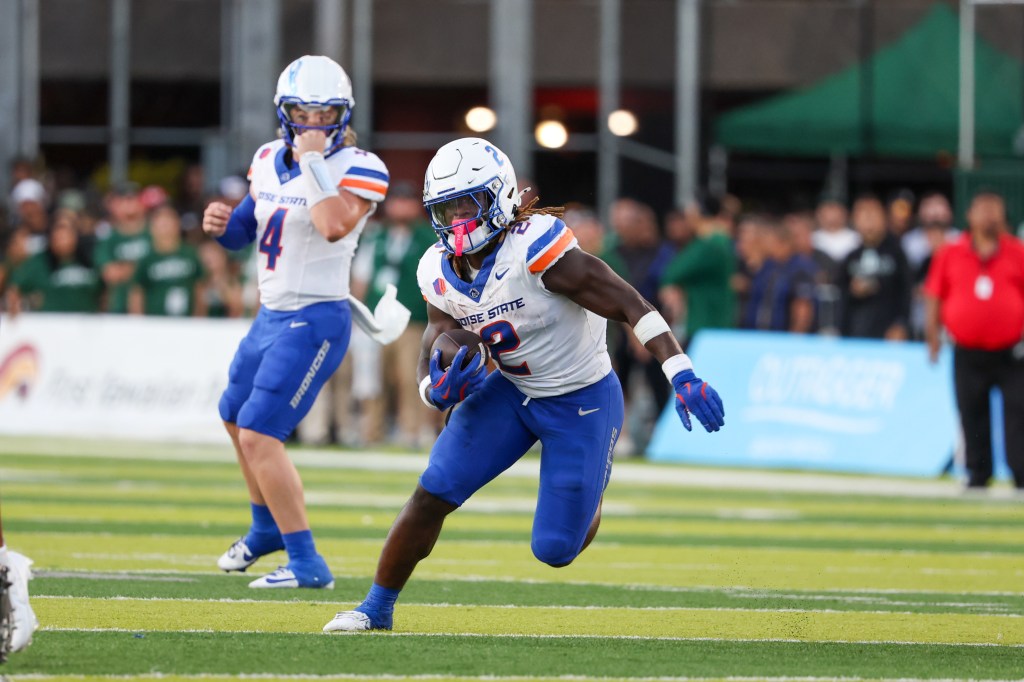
379,187
553,252
248,176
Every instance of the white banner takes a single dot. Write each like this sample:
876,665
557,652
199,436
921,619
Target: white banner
118,376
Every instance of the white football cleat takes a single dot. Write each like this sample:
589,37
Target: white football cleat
22,620
285,577
237,558
349,621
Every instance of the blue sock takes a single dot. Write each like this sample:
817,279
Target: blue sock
379,605
263,536
300,546
262,520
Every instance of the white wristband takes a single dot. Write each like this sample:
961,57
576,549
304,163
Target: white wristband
318,177
676,364
424,387
650,325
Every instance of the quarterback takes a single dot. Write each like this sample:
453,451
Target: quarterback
309,197
515,277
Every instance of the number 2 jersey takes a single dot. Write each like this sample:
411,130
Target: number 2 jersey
297,265
543,342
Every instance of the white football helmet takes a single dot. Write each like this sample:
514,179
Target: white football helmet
314,82
471,194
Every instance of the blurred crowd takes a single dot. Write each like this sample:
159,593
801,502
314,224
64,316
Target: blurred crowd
838,270
854,271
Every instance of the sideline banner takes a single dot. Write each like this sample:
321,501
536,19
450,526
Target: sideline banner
809,402
118,376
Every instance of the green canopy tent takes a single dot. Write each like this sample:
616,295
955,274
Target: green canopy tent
913,110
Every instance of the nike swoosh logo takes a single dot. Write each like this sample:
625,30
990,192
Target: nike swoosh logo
503,273
584,413
295,325
279,580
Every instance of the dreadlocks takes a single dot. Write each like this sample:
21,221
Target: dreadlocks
530,210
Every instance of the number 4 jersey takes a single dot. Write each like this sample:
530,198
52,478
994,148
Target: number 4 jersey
543,342
297,265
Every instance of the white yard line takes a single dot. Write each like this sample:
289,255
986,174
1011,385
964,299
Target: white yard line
623,472
752,592
482,678
512,635
546,607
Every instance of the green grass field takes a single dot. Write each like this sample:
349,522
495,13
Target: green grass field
684,582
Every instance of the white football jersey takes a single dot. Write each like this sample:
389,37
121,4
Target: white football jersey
542,342
297,265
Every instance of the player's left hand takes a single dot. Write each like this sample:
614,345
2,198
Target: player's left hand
696,396
452,386
310,141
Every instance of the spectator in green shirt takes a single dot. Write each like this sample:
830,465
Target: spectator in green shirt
703,271
61,279
168,280
126,244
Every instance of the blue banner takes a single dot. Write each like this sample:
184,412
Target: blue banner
809,402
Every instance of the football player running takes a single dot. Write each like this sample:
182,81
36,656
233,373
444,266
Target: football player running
17,620
515,276
309,197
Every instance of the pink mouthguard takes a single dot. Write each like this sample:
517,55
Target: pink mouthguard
461,228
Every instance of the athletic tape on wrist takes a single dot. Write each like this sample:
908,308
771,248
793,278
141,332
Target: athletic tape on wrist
424,387
650,325
318,177
676,364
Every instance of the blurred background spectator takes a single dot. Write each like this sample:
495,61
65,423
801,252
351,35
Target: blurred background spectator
900,212
934,228
697,282
60,279
30,216
975,289
123,243
222,290
782,295
875,282
833,238
644,254
169,279
390,254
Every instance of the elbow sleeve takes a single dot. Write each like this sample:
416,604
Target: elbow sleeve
241,230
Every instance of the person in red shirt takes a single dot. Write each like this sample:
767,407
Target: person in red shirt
976,286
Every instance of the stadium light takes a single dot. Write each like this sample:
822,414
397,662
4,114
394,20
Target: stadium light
551,134
622,122
481,119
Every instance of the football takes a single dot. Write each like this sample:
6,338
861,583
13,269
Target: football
449,343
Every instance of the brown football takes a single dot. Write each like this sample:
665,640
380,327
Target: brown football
449,343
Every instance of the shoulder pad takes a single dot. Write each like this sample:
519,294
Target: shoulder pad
548,238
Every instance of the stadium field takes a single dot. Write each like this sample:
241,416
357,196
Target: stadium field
697,574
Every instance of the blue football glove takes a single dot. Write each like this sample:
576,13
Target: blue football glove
456,384
696,396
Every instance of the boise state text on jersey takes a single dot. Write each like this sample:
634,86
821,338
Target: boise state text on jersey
297,266
543,342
